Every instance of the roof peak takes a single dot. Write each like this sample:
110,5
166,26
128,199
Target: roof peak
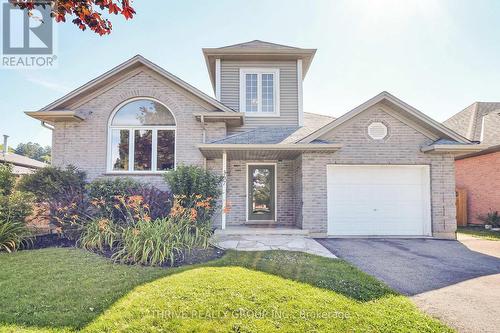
257,43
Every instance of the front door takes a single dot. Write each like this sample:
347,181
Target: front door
261,192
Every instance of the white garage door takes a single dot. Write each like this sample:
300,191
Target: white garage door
379,200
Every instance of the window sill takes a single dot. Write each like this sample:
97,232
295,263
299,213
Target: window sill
128,173
261,114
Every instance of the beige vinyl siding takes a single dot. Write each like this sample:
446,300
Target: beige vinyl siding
230,91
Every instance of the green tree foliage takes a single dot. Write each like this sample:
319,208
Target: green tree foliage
11,150
35,151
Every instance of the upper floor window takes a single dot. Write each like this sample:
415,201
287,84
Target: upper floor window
141,137
259,91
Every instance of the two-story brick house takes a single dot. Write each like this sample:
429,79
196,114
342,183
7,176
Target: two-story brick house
384,168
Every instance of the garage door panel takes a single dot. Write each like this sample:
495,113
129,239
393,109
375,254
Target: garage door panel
390,192
375,175
378,200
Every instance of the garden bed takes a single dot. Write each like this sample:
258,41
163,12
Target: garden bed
50,240
195,256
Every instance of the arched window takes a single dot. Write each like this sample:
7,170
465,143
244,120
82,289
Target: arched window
141,137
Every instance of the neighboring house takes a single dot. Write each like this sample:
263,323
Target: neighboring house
383,168
21,165
479,173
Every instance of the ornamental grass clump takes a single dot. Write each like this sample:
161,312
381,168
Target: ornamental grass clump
99,234
13,235
166,240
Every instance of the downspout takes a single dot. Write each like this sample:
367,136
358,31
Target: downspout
204,138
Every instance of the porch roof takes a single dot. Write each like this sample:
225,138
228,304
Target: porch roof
278,151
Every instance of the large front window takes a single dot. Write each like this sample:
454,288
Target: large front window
259,91
141,138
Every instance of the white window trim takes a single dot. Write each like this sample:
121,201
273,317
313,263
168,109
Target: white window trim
276,91
300,89
131,129
247,176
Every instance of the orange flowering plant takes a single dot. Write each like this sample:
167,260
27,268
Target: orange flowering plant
195,207
124,200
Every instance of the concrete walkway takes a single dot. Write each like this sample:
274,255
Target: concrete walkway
272,242
484,246
470,306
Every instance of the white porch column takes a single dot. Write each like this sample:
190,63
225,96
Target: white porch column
224,189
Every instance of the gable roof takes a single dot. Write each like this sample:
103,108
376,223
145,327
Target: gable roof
22,164
408,110
133,62
257,50
471,121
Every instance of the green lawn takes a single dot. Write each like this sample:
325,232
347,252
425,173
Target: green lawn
479,232
56,290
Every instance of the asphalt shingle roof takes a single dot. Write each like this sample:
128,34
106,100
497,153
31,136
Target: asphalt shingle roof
275,135
478,122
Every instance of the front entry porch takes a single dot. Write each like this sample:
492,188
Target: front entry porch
261,230
263,183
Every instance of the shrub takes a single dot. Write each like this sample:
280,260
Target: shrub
107,196
107,189
51,183
63,191
7,179
192,183
193,180
99,234
16,207
492,217
70,211
13,234
158,202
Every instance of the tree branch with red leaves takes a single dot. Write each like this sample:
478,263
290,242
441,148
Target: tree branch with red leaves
88,13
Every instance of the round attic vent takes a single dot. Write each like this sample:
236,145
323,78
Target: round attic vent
377,130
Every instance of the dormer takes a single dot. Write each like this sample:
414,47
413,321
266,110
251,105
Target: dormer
261,79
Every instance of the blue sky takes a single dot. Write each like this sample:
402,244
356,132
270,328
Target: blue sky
438,56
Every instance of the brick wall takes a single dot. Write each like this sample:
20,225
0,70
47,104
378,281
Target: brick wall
298,190
480,176
84,144
237,191
402,146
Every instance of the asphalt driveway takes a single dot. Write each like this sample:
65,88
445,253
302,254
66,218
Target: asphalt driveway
414,266
456,282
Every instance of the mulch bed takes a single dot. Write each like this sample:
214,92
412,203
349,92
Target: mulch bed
51,240
195,256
